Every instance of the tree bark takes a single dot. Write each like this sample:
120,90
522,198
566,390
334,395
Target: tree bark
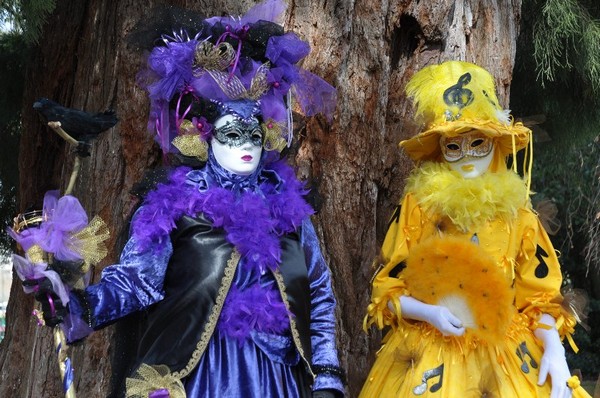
366,48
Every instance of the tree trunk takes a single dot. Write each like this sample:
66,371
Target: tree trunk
366,48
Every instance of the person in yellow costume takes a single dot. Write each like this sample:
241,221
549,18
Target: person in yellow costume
468,283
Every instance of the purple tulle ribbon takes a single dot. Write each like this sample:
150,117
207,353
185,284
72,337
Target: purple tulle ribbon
26,270
29,237
64,217
173,65
270,10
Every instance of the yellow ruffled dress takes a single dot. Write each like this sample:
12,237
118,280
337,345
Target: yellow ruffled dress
499,355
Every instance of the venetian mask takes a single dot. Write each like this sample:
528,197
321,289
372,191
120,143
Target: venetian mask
470,154
237,144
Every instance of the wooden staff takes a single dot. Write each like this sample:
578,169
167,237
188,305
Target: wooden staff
60,342
56,126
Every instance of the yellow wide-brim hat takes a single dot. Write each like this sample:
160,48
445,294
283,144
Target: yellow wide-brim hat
455,97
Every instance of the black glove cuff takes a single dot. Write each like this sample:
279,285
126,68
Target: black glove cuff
330,370
85,306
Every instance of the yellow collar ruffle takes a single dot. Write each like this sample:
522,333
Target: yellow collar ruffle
467,202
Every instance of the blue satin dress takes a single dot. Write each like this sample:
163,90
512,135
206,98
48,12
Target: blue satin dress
264,365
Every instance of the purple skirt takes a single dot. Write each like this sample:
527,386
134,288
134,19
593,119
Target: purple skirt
228,369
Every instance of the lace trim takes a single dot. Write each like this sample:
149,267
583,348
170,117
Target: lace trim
293,326
213,317
154,380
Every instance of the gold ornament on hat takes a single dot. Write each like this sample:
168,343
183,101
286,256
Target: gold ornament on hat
273,140
190,143
233,87
211,57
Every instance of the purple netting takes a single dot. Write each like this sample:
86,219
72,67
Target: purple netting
288,48
270,10
27,238
272,107
315,95
159,123
206,86
279,81
173,65
64,217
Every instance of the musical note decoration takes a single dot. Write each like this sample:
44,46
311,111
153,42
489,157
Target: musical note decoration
458,96
523,351
430,374
541,271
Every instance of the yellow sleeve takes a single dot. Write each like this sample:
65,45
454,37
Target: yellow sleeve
538,277
403,231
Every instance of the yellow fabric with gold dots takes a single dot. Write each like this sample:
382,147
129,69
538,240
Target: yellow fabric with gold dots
415,359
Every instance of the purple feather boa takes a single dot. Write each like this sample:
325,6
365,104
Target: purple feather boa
255,308
253,221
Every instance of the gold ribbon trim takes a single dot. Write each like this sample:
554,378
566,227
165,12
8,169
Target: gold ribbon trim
148,379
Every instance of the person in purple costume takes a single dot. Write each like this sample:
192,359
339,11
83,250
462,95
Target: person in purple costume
222,257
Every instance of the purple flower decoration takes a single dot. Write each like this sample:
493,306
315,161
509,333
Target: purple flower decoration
277,81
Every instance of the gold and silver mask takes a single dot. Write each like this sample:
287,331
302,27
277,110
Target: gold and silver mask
472,144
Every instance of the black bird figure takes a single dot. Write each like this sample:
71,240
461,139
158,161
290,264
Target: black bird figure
80,125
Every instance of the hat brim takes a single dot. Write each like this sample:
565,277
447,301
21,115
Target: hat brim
426,145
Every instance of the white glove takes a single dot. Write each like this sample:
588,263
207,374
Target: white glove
553,361
438,316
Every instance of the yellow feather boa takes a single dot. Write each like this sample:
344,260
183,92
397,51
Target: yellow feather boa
467,202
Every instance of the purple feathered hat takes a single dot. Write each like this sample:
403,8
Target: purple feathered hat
244,65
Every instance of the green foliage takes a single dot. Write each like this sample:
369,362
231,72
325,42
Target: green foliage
565,38
566,172
557,74
26,16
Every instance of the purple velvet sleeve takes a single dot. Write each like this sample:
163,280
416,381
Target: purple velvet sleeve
133,284
323,337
